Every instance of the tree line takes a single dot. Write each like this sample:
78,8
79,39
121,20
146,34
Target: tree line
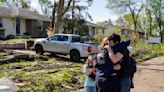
142,15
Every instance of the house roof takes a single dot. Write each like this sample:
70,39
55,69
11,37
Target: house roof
93,25
22,13
127,29
5,11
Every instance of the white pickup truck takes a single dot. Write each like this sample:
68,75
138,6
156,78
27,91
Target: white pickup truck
65,44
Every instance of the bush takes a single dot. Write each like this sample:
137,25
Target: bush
98,38
26,34
143,50
10,37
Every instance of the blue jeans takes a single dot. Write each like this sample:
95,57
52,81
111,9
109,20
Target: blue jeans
125,83
90,89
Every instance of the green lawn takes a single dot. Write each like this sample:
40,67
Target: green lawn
45,76
19,39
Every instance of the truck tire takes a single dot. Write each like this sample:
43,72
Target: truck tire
75,56
39,49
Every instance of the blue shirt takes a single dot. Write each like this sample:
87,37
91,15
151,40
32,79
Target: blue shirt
88,81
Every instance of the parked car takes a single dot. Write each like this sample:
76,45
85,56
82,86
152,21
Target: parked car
65,44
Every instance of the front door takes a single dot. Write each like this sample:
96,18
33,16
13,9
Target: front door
17,27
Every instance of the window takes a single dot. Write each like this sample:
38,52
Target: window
76,39
63,38
59,38
1,23
54,38
40,25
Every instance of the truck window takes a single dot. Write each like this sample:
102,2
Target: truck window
63,38
54,38
59,38
76,39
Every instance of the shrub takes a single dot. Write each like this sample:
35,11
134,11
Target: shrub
98,38
26,34
144,50
10,37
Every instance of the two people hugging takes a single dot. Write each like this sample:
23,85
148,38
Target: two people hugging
110,72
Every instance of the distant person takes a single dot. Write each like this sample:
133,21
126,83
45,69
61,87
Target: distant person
90,74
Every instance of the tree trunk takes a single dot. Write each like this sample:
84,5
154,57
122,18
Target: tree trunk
59,16
53,15
150,26
57,26
135,24
161,37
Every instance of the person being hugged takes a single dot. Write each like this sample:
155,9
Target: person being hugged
90,74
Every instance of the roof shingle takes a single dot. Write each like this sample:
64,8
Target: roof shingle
22,13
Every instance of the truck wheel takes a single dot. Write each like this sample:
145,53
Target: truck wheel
39,49
75,56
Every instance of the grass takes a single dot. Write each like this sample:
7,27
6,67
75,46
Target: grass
45,76
61,75
3,54
19,39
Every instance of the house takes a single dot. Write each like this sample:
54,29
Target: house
129,32
20,22
108,29
94,28
23,22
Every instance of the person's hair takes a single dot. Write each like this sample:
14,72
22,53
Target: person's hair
89,60
115,38
103,43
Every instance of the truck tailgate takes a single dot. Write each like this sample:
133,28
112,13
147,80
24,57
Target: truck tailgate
94,49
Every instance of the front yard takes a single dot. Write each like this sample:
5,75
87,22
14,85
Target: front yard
58,73
44,76
18,40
